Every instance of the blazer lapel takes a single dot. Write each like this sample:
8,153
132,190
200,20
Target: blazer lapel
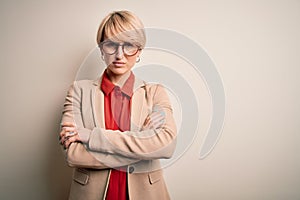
139,107
97,100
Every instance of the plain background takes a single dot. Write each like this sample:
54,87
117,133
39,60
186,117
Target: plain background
254,44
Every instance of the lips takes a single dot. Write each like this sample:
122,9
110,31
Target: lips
118,63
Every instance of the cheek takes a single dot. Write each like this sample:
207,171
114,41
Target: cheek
131,60
108,59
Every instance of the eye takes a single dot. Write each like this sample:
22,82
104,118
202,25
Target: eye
129,48
110,44
128,45
110,47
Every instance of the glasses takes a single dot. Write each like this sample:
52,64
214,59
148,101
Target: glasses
110,47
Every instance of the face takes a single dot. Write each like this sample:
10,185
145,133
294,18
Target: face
119,56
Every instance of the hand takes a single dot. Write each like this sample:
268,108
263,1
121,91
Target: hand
155,120
68,134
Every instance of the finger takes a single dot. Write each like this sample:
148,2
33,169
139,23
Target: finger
66,130
158,121
156,115
71,134
69,129
158,118
147,125
63,137
67,135
63,140
153,114
71,140
66,144
154,123
147,120
151,125
68,124
154,119
62,134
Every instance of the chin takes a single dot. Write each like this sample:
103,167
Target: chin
118,71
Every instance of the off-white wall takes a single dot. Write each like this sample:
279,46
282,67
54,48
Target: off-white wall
254,44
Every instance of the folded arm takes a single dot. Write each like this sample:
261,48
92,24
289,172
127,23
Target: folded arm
106,148
77,155
147,144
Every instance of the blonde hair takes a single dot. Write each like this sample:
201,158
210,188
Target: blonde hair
122,26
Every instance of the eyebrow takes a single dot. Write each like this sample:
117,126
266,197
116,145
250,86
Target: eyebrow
123,42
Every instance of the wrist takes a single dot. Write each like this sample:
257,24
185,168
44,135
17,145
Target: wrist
84,135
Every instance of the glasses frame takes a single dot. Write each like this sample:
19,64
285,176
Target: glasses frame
117,47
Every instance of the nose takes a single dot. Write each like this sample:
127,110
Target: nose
119,53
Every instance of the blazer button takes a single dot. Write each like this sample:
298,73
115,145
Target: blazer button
131,169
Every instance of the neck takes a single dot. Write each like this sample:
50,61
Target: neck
116,79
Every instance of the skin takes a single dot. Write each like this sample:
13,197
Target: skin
118,70
119,65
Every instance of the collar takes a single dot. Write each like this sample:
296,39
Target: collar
138,83
107,86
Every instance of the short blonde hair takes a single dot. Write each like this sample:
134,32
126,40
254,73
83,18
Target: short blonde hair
123,26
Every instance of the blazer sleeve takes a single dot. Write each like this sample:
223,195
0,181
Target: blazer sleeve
146,144
77,155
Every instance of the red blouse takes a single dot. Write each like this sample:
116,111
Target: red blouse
117,117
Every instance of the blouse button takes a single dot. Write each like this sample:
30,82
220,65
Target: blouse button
131,169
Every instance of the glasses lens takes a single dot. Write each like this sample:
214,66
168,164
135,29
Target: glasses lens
130,49
110,47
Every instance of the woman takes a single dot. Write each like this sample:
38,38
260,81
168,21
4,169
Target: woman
116,128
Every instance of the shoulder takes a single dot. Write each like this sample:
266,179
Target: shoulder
85,84
150,87
153,87
156,91
77,88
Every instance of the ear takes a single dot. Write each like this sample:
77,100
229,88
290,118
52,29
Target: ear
139,52
100,49
101,53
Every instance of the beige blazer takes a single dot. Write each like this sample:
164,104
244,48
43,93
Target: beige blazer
137,149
